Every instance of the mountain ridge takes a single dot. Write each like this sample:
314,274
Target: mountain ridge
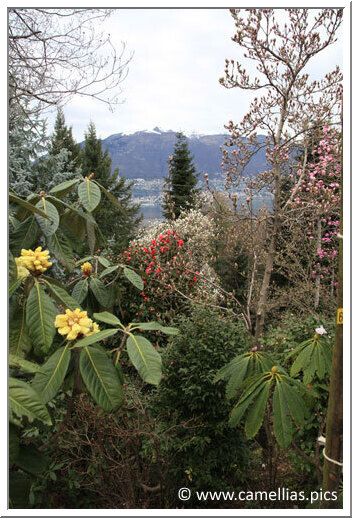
145,153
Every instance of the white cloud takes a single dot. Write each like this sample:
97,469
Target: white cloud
173,83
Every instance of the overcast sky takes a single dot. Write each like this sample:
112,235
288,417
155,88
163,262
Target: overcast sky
173,79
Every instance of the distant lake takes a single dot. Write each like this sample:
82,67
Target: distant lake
151,212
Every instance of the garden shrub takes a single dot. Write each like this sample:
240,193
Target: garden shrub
208,455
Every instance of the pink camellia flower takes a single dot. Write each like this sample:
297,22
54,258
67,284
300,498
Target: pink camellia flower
255,348
180,242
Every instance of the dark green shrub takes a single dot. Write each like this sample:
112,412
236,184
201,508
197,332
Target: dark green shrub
207,454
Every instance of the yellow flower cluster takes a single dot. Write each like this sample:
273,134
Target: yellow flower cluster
87,268
22,271
74,323
36,261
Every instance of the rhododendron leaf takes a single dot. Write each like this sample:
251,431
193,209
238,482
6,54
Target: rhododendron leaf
16,362
107,318
14,286
80,290
101,378
28,206
256,412
281,417
48,227
303,359
25,401
92,339
99,290
145,359
103,261
134,278
48,381
62,297
40,317
238,411
238,374
64,187
226,370
24,236
32,460
295,403
89,194
61,249
19,341
85,259
155,326
12,268
109,270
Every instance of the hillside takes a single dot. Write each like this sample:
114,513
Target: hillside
145,154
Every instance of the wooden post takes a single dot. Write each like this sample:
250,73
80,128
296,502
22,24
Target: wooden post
334,424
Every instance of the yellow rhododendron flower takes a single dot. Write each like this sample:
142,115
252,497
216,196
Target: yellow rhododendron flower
36,261
74,323
87,268
22,271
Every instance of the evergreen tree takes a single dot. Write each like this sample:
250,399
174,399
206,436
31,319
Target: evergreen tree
26,140
63,160
182,182
118,227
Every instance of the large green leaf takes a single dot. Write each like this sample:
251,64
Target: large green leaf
25,401
17,362
40,318
92,339
302,360
155,326
61,249
48,381
134,278
80,290
281,417
145,358
240,408
91,236
226,371
103,261
14,287
256,412
101,378
109,270
63,188
12,268
99,290
47,226
107,318
294,402
89,194
238,374
19,341
28,206
24,236
62,297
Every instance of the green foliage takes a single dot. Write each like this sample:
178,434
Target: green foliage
181,188
101,378
145,359
215,455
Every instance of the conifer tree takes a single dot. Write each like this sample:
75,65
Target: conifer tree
118,227
63,160
26,140
182,182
